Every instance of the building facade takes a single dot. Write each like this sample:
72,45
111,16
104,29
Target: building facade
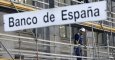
56,42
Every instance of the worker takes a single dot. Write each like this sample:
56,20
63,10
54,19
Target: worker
78,41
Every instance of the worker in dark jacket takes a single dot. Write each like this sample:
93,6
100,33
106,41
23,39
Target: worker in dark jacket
78,41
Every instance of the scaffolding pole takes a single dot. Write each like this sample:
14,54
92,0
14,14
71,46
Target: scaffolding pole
111,15
36,40
93,42
19,46
71,47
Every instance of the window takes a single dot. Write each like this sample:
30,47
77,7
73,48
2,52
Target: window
61,2
0,46
42,33
21,1
24,1
64,32
40,0
104,39
41,3
33,3
18,56
46,1
73,2
14,1
46,6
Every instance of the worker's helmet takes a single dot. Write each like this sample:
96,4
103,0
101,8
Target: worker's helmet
82,29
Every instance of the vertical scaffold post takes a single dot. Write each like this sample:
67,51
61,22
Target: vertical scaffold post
109,15
19,46
111,38
51,5
71,47
108,46
36,37
94,45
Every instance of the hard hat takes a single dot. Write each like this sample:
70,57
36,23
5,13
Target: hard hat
82,29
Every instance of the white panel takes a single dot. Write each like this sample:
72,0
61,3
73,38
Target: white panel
56,16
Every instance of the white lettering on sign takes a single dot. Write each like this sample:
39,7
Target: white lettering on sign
57,16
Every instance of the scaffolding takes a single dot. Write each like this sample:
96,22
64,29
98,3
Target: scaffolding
56,43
